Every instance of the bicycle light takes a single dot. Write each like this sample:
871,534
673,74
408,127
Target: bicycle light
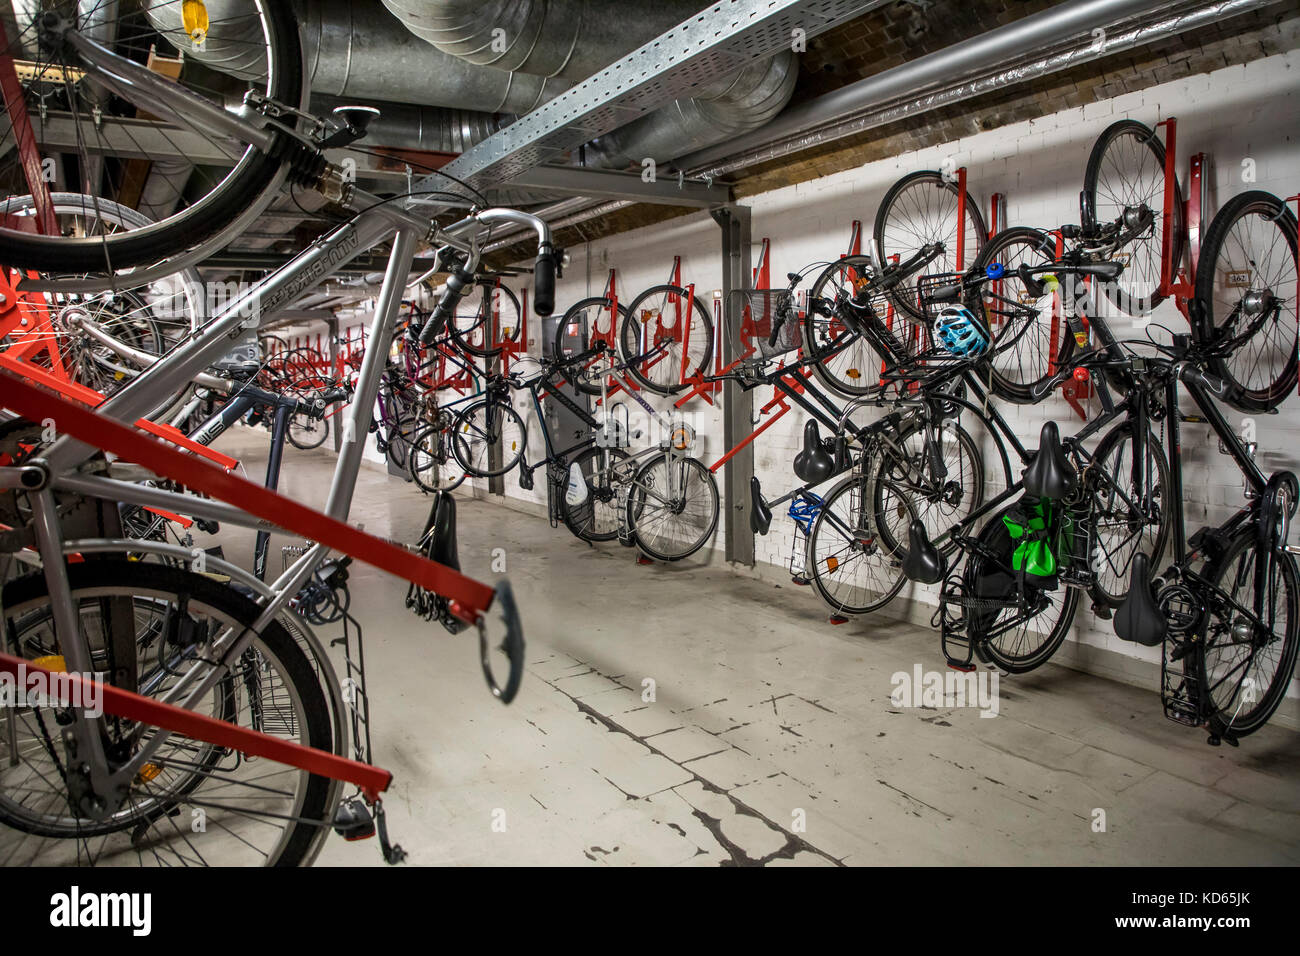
683,436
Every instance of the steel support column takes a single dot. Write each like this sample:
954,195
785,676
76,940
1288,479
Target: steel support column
737,403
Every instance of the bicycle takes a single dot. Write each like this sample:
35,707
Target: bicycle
118,791
659,498
1225,611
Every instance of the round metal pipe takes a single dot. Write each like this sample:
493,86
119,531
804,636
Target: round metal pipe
796,128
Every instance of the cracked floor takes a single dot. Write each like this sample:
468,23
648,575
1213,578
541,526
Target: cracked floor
770,739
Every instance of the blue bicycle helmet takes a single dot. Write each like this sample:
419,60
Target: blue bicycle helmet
959,332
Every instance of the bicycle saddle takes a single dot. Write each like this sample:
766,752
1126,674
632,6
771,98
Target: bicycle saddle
1050,474
814,464
1138,618
760,515
444,549
923,562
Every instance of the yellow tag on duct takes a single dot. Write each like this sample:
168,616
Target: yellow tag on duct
194,15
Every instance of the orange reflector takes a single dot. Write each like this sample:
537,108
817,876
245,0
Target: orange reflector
853,373
52,662
148,773
832,564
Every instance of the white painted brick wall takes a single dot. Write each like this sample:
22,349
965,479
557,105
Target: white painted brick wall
1242,111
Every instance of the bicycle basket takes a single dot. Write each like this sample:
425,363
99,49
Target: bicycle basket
761,312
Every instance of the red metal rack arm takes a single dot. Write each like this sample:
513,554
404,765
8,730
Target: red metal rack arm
154,713
279,511
961,219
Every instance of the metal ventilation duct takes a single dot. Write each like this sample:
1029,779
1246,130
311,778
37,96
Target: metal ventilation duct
356,51
569,38
578,38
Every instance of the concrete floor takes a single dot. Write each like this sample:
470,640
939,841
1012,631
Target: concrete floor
772,738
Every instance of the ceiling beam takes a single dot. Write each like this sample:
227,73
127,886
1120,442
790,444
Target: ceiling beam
608,184
715,42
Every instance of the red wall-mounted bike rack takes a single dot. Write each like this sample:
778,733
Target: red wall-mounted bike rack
1296,199
154,713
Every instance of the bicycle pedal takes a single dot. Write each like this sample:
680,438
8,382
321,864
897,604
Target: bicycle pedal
642,559
1102,611
964,668
838,619
353,821
800,580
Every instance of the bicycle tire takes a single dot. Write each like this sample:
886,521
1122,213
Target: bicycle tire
466,424
26,595
1016,380
247,184
630,341
583,521
1225,716
934,516
636,510
1146,278
317,431
575,316
1123,432
821,563
1226,240
890,239
422,475
463,337
995,537
846,362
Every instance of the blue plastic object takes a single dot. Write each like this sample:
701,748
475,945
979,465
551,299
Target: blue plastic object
804,510
995,270
959,332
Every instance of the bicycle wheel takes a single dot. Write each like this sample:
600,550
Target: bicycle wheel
909,464
672,507
919,209
599,518
153,168
675,345
469,326
195,803
1246,658
482,427
1126,520
574,334
1019,638
306,432
1125,184
400,438
852,567
1246,279
846,362
432,463
1022,326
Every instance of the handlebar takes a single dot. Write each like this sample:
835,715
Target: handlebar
462,276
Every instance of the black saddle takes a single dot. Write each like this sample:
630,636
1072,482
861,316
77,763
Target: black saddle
814,464
923,562
760,515
1138,618
1050,474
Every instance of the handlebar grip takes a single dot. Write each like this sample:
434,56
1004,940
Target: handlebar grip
457,283
946,293
512,644
544,281
1108,271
